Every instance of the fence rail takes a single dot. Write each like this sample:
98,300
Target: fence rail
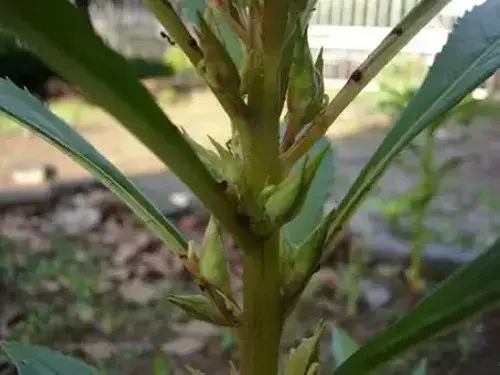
347,29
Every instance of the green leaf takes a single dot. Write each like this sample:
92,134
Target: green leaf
468,292
305,354
104,77
421,369
35,360
471,54
199,307
32,114
343,346
303,224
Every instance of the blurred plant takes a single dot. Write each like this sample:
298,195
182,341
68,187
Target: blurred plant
413,205
343,346
177,59
255,58
58,283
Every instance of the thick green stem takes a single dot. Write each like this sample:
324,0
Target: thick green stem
261,321
261,329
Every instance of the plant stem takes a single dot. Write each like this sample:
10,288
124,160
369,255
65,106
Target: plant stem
400,35
427,191
262,324
262,315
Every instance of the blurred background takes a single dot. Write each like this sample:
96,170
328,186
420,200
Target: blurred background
80,273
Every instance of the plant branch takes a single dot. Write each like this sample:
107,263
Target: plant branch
392,44
235,108
110,83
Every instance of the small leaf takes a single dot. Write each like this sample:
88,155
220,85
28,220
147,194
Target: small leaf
198,307
311,213
471,54
193,371
470,291
302,357
32,114
343,345
35,360
421,369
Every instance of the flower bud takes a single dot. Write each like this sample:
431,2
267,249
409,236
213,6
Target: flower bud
286,200
306,91
213,262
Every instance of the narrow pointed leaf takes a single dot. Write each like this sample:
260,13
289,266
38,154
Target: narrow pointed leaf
297,230
35,360
343,346
302,357
198,307
467,293
471,54
33,115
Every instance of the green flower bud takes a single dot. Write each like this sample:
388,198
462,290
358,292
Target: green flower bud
306,258
306,91
286,200
199,307
305,355
213,262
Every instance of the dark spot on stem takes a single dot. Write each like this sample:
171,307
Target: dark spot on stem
183,256
164,35
223,185
202,287
243,219
356,76
397,31
192,43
